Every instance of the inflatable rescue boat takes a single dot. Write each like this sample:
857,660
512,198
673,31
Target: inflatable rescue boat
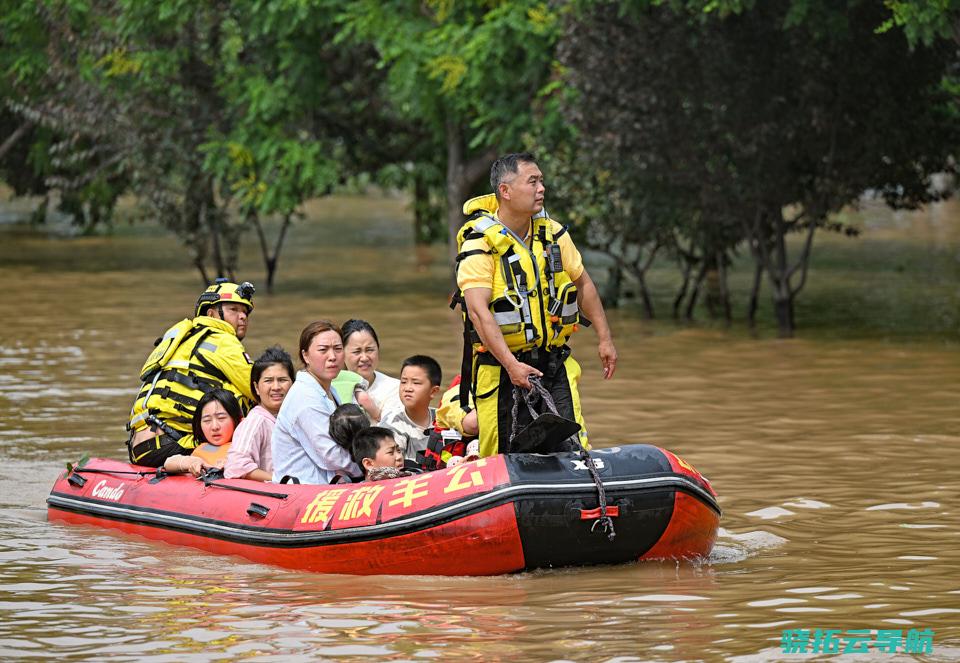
496,515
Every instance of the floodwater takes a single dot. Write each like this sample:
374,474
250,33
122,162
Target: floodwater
835,460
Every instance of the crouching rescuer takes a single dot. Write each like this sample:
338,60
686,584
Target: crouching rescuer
524,291
193,357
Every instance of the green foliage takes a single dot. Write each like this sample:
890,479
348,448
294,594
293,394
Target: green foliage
923,21
716,128
465,75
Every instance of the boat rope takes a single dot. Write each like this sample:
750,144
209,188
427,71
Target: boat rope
538,392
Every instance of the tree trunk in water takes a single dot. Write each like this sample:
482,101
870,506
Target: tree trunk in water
610,294
755,293
783,309
270,260
462,175
723,288
648,313
682,293
692,302
421,221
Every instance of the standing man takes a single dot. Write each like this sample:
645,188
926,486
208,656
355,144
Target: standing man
191,358
523,286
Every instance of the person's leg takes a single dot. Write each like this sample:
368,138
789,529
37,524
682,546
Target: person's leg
487,395
562,381
155,449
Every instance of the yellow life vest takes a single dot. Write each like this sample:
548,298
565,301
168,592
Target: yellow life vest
207,355
533,300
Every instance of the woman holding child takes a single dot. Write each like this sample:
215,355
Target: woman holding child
301,442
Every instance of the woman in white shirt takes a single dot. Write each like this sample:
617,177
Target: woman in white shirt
301,443
362,348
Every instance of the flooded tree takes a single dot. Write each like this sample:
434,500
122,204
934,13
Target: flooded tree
761,126
466,73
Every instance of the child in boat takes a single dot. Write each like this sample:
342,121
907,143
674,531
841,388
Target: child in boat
250,455
216,417
420,378
372,448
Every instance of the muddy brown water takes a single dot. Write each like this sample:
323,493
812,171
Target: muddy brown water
836,462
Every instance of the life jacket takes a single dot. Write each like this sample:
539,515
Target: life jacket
212,454
533,300
180,371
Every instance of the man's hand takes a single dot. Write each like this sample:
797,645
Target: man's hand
520,374
608,357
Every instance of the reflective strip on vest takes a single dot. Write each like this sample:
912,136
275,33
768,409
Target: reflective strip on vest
507,318
484,222
206,345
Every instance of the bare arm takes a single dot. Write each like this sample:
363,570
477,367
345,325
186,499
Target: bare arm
588,299
478,307
259,475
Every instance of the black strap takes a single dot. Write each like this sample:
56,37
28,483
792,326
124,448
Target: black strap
251,491
209,368
466,254
466,360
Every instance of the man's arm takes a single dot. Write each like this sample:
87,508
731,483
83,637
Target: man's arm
478,308
231,359
588,299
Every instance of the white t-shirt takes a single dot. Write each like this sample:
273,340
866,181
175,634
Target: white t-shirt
395,418
385,391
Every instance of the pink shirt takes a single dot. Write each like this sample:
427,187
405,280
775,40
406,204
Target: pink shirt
250,449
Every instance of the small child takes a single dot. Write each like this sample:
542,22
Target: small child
373,449
376,451
420,378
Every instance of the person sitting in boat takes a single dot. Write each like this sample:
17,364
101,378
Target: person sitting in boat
362,356
373,448
454,431
301,444
420,378
250,453
377,451
218,415
192,358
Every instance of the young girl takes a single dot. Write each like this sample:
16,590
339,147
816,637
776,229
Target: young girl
250,457
214,421
373,449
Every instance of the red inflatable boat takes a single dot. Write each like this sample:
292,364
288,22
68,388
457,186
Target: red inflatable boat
496,515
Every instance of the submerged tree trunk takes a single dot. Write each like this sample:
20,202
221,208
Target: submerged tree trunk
695,294
462,175
610,293
754,294
270,259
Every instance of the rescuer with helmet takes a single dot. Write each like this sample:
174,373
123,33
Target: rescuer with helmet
192,358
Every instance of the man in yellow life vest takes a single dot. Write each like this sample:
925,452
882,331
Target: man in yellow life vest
523,285
192,358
